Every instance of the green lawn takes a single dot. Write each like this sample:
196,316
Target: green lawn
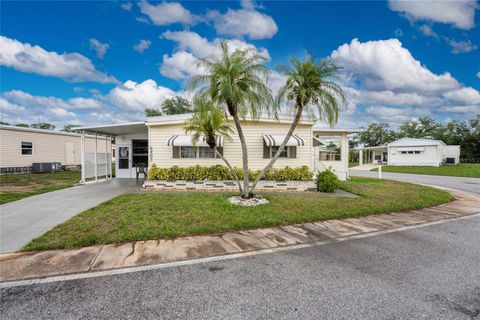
18,186
152,215
352,164
458,170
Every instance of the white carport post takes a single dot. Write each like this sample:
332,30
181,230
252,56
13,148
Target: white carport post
82,155
95,161
360,156
106,158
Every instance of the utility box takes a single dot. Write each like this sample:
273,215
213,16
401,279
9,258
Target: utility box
43,167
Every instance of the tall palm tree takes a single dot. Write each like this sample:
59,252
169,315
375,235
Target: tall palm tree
309,84
208,121
237,82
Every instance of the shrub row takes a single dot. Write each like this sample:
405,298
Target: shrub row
220,172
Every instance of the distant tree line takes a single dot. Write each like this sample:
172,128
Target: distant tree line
175,105
463,133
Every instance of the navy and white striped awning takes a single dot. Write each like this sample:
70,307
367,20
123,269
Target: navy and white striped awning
188,141
276,140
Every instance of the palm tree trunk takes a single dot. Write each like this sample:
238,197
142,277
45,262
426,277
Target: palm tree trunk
282,146
246,187
231,170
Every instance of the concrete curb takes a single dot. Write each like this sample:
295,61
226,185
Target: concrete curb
152,253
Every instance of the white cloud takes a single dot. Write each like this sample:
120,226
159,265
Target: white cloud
239,23
427,31
72,67
460,46
389,97
167,13
99,48
478,74
383,82
8,107
30,101
386,65
468,110
460,13
124,103
191,47
126,6
181,65
467,95
142,45
138,96
244,22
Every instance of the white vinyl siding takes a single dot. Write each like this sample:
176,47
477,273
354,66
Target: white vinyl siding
47,147
162,154
413,156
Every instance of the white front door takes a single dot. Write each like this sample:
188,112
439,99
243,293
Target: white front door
124,161
69,153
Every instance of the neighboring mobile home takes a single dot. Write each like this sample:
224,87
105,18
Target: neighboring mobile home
20,147
163,141
413,152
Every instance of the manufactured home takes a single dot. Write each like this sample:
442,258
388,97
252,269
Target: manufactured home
163,141
412,152
21,147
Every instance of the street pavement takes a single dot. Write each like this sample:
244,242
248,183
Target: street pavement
460,183
424,273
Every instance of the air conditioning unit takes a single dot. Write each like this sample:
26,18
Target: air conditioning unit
43,167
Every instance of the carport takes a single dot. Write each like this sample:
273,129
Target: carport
131,148
373,154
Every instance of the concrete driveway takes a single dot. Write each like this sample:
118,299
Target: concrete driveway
460,183
26,219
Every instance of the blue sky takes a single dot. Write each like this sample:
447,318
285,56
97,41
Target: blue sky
104,62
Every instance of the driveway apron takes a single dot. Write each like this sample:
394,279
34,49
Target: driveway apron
26,219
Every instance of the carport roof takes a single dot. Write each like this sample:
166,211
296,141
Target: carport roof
116,129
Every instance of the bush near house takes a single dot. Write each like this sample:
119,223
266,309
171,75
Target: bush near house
220,172
327,181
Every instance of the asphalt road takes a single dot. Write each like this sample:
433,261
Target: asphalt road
460,183
425,273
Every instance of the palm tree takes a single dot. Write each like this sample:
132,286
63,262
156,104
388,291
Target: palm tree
309,84
237,82
208,121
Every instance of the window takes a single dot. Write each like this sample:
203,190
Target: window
187,152
417,152
410,152
206,152
404,152
123,157
27,148
139,152
283,154
329,148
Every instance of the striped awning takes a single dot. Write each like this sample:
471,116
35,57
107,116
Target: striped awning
187,141
276,140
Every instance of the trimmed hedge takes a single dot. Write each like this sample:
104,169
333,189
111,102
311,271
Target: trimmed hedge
327,181
220,172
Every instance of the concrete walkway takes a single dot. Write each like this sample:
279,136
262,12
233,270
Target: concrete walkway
17,266
26,219
459,183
